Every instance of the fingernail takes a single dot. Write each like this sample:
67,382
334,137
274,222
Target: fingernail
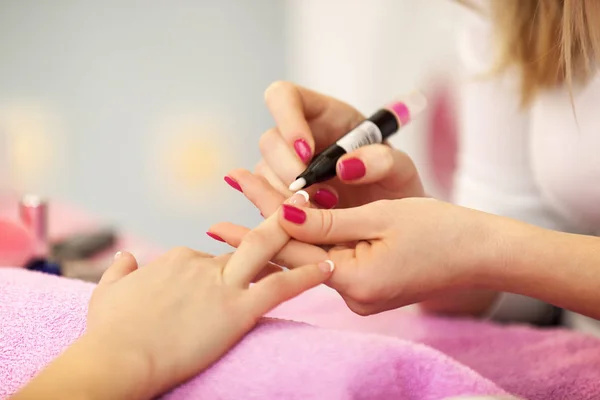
352,169
216,237
303,150
327,266
325,198
293,214
118,254
231,182
299,198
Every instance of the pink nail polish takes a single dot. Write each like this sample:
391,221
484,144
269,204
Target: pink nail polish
293,214
303,150
325,198
231,182
352,169
216,237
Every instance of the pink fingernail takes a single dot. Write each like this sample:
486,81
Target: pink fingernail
216,237
231,182
303,150
325,198
352,169
293,214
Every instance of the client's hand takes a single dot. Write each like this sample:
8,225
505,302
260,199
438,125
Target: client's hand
306,123
153,327
387,254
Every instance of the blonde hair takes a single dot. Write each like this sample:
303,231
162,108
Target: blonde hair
551,42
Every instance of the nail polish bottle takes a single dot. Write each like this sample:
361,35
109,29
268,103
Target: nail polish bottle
33,212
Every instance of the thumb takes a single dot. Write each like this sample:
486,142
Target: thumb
318,226
123,264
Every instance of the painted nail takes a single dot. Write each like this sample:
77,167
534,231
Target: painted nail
216,237
352,169
300,198
303,150
118,254
326,266
231,182
325,198
293,214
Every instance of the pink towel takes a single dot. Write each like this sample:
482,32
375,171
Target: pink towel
40,315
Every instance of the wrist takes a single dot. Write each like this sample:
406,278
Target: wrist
129,372
512,255
91,369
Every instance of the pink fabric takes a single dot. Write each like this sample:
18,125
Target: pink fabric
346,357
398,354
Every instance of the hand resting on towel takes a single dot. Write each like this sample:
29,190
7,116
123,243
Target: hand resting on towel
151,328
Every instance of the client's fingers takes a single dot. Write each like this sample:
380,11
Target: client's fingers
123,264
258,247
273,290
293,254
268,269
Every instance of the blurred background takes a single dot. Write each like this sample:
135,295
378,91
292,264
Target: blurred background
135,110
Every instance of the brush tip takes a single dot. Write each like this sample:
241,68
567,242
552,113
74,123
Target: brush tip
297,184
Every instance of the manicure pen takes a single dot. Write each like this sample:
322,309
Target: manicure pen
381,125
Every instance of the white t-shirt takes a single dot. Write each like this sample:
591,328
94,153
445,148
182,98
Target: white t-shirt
540,165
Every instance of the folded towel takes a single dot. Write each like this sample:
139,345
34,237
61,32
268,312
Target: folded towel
40,315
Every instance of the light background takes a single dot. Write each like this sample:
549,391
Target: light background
136,109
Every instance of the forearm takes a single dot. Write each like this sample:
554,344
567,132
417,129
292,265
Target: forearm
558,268
86,371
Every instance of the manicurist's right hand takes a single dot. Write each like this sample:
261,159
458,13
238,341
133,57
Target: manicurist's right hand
306,122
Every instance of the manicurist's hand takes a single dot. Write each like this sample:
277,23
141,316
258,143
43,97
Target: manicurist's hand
387,254
306,122
153,327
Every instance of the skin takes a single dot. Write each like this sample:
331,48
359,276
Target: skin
394,253
164,323
319,120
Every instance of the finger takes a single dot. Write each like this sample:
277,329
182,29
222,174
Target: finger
294,254
258,247
268,269
258,190
289,108
377,163
263,169
280,157
273,290
316,226
124,263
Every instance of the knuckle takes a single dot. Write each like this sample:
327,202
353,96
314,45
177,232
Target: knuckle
275,89
260,168
327,224
266,140
181,254
181,251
